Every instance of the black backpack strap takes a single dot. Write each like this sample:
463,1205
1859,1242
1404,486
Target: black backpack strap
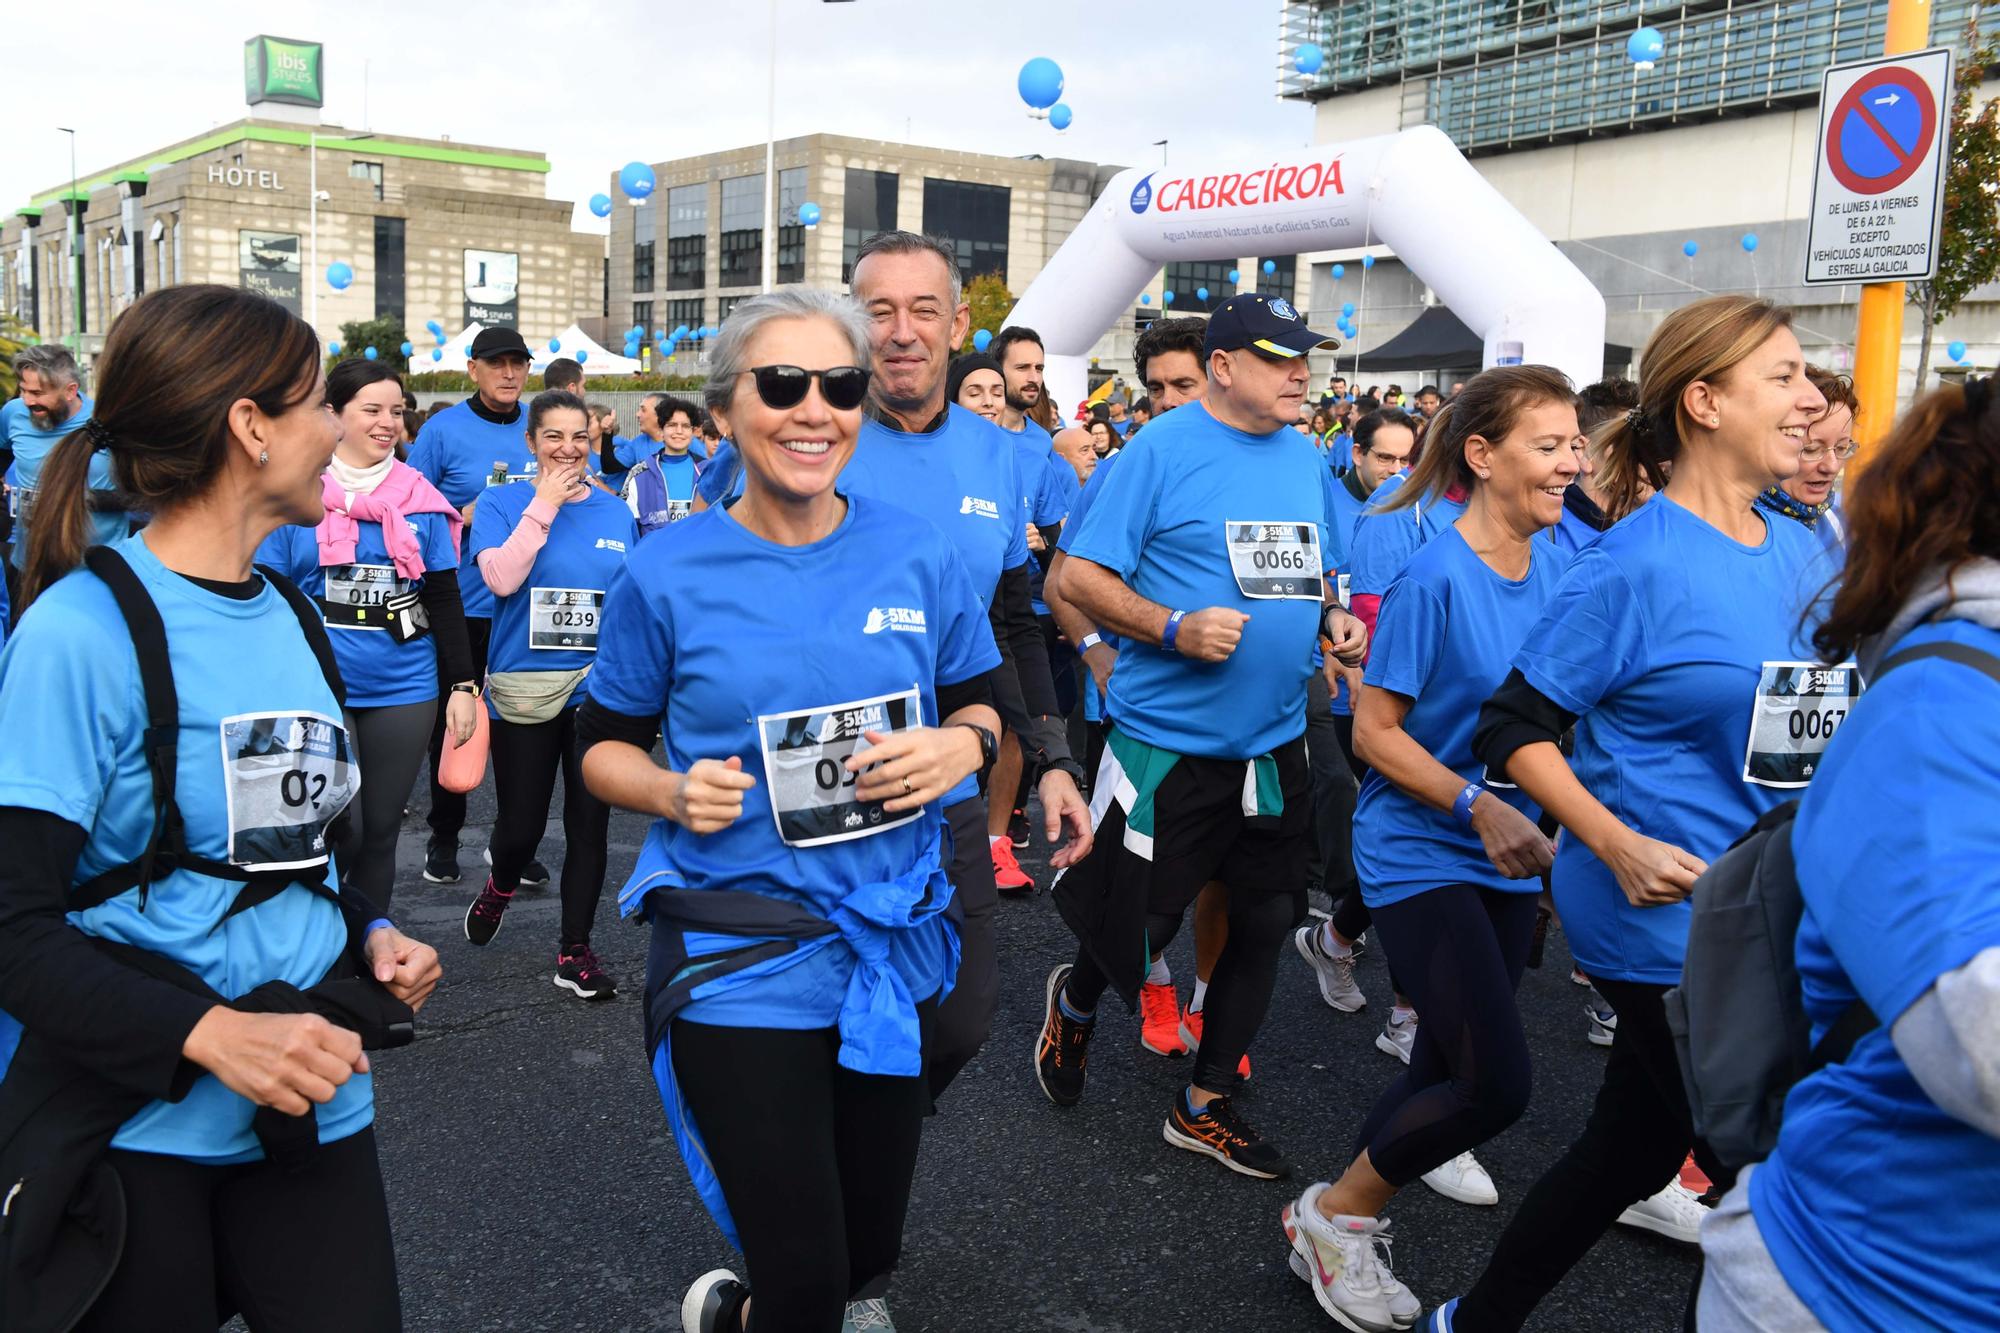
1963,654
163,706
313,624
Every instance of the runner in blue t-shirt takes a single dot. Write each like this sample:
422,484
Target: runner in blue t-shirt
1880,1207
143,1021
1206,551
51,405
383,565
1450,861
802,940
548,549
1674,647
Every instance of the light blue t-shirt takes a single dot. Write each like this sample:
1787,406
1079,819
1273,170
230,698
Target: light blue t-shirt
1661,639
1448,631
1204,515
264,765
31,445
719,479
379,672
552,621
1347,509
723,663
1901,882
462,454
1093,698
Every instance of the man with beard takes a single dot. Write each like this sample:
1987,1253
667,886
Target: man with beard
51,405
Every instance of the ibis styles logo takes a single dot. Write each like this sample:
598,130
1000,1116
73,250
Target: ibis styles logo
278,70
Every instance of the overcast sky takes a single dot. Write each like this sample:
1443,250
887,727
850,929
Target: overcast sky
597,83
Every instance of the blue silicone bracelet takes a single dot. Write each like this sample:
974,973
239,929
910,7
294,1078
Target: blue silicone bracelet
1462,807
1172,630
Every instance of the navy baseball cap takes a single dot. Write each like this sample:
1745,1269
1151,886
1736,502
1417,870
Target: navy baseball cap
1264,324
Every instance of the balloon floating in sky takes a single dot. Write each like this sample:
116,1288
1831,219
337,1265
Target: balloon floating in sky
407,348
555,344
1270,266
1339,272
370,353
339,275
636,179
1644,47
1040,83
1308,58
600,204
1347,310
1749,242
433,326
437,353
582,355
1060,116
1166,298
333,349
1956,351
1234,277
1201,293
1690,249
981,340
1145,298
1368,261
808,217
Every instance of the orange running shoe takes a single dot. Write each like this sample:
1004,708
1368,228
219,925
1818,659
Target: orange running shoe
1160,1012
1693,1178
1191,1036
1008,876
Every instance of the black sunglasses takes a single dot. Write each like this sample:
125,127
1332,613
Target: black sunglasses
782,387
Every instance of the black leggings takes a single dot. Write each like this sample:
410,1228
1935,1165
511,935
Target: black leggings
292,1252
389,743
526,759
1351,916
1332,865
815,1162
447,816
966,1016
1638,1134
1239,993
1461,948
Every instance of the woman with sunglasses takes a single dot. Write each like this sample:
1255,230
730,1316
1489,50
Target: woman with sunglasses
793,882
1809,495
547,548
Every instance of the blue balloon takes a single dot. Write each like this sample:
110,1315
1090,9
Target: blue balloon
1368,261
1339,272
582,355
1270,266
1956,351
1347,310
437,353
1201,293
666,348
981,340
339,275
1690,249
333,349
555,344
1308,58
1060,116
1145,298
433,326
1167,298
407,348
1645,46
1749,241
681,332
1234,277
1040,83
600,204
808,215
370,353
636,179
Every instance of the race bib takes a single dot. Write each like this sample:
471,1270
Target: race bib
286,778
678,510
565,618
805,753
20,502
1341,589
356,595
1275,560
1799,707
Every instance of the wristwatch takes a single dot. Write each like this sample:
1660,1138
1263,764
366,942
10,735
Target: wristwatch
989,744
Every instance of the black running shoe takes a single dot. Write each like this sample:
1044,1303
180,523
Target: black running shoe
482,919
534,875
1061,1048
580,972
441,862
1017,829
714,1304
1220,1133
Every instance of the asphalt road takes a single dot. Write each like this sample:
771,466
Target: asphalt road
534,1184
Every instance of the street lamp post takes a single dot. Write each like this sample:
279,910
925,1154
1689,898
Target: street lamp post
311,276
75,244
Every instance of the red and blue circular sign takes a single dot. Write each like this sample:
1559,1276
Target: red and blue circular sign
1881,130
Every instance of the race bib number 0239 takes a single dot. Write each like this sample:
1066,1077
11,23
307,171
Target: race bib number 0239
1799,707
565,618
805,763
286,778
1275,560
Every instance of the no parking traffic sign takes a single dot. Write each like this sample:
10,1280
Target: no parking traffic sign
1878,187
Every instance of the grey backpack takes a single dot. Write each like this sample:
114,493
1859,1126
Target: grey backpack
1738,1018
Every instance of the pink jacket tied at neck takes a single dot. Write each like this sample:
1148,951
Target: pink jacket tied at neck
403,492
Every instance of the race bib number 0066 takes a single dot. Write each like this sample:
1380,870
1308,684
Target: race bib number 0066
805,754
565,618
1799,707
286,778
1275,560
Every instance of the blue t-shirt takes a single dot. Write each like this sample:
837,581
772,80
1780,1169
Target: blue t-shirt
1571,533
256,717
1448,631
1093,698
1346,511
31,445
1204,515
462,454
378,671
722,662
551,622
1048,490
1382,541
1660,639
1901,882
718,480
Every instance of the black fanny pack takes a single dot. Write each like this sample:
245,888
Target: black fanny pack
403,616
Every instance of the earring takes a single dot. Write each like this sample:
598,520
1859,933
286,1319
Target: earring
263,457
1715,421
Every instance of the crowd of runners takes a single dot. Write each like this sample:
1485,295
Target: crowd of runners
1456,669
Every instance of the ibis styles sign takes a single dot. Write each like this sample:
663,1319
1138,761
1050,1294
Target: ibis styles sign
277,70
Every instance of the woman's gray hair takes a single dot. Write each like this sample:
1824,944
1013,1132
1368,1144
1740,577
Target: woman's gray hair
728,358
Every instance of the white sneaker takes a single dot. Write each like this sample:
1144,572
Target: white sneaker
1603,1019
1675,1212
1397,1038
1335,972
1464,1180
1404,1307
1342,1266
862,1316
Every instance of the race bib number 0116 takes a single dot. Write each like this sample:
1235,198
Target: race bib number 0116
286,778
1799,707
1275,560
805,763
565,618
356,594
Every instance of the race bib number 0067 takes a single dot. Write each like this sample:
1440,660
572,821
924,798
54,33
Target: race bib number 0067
286,778
1799,707
565,618
805,763
1275,560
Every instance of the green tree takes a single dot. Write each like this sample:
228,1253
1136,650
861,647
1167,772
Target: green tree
14,337
990,301
1969,242
385,335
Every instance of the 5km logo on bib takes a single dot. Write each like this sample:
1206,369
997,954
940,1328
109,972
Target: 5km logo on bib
1278,560
1798,708
984,508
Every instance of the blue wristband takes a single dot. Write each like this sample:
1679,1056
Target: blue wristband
1172,630
376,925
1462,807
